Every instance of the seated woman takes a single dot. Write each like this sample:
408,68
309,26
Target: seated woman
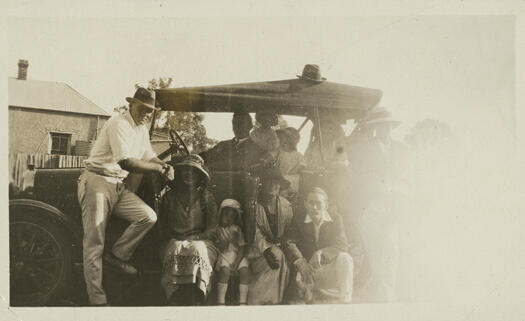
188,212
273,217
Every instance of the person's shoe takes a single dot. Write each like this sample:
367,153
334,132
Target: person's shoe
100,305
123,266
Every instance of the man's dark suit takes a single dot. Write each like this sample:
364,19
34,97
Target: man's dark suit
301,241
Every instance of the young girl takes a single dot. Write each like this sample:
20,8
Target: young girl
230,241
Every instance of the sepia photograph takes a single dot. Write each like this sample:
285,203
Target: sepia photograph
360,163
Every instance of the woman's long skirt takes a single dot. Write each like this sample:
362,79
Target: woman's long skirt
187,262
267,285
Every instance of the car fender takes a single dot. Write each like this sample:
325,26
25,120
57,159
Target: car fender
34,206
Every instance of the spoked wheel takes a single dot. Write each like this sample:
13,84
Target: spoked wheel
40,260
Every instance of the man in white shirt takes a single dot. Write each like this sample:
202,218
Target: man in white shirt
122,147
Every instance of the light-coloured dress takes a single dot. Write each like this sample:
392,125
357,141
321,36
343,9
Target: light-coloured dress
187,261
234,237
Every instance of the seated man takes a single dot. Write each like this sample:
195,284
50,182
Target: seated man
318,249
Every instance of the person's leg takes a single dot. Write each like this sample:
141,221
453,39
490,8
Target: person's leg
344,268
96,198
142,218
222,284
244,281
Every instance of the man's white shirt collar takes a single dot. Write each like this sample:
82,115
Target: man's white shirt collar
325,217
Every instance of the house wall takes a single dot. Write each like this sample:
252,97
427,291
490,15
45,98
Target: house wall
29,128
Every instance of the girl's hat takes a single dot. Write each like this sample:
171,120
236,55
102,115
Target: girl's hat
231,203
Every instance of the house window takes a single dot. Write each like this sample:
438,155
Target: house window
60,143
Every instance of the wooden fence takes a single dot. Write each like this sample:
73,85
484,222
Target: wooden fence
18,163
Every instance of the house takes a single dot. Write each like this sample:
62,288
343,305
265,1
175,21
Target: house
50,124
48,117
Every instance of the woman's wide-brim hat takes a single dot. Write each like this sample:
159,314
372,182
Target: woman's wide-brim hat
273,173
380,115
145,97
194,161
312,73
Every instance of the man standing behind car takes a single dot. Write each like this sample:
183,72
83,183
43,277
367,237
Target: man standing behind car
122,147
226,155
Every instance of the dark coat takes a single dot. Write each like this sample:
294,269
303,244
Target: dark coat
234,155
301,240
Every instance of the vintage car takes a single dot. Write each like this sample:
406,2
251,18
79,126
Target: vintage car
45,230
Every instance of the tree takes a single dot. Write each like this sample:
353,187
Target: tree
187,124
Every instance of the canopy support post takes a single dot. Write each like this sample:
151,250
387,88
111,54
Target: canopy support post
303,124
319,134
152,126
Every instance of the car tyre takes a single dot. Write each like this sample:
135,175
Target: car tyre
40,259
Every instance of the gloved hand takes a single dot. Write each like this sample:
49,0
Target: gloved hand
306,270
271,259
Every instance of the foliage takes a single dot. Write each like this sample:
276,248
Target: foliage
188,125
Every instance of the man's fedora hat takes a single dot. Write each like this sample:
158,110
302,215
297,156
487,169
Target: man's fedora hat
144,97
312,73
380,115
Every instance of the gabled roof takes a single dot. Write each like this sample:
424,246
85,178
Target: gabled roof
50,95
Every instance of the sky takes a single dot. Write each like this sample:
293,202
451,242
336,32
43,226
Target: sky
457,69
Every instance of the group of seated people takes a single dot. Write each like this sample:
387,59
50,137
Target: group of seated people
299,251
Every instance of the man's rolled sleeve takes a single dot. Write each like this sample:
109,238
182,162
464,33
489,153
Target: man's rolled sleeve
119,134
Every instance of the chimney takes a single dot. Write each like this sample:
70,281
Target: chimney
22,69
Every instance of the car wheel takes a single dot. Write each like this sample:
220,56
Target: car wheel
40,259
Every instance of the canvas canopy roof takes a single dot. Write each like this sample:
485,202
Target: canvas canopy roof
287,97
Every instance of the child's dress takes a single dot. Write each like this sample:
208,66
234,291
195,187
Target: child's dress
234,237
